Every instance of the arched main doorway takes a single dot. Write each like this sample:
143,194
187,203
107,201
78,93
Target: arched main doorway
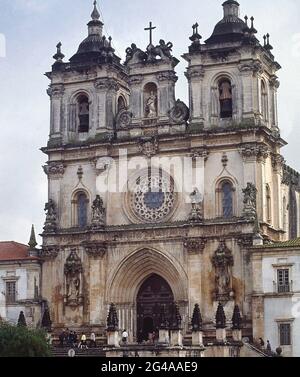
154,293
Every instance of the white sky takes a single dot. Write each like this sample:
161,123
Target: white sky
31,30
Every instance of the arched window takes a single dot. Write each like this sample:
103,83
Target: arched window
150,101
82,210
121,103
225,97
269,204
264,101
83,113
227,199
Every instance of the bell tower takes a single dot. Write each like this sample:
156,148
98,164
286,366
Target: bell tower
85,92
232,77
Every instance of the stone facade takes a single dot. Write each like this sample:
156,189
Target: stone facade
276,295
104,114
20,284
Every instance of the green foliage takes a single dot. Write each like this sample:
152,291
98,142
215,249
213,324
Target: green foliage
19,341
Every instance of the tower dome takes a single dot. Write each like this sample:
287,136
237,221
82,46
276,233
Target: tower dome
96,47
231,28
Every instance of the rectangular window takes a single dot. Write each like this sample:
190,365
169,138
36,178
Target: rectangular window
283,281
285,334
11,292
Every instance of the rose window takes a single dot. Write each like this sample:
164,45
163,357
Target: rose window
152,197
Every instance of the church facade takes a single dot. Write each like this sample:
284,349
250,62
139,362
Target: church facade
153,201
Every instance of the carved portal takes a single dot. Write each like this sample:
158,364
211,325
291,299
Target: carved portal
73,277
223,263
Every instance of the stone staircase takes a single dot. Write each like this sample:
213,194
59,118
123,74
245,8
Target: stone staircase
91,352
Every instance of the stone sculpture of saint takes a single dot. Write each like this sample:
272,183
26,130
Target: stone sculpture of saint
151,109
223,280
73,288
98,211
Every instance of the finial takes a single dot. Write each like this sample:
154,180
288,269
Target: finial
246,20
197,319
109,40
220,317
112,318
59,55
176,318
196,37
252,28
80,173
46,320
265,40
236,319
32,242
268,46
95,14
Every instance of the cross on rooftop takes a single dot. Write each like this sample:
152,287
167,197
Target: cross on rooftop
150,28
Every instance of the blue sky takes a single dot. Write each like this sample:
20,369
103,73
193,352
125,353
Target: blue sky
32,28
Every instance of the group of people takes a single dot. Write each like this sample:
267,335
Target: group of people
152,337
70,339
262,345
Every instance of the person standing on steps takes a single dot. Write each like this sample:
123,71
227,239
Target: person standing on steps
125,336
93,340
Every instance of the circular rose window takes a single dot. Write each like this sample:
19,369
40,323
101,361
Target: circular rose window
152,197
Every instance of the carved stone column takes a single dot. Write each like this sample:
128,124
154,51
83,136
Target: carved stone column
96,252
166,93
195,76
194,247
136,105
215,106
106,95
56,93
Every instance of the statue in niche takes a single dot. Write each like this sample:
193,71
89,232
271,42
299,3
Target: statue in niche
223,262
73,271
197,206
151,105
98,213
73,288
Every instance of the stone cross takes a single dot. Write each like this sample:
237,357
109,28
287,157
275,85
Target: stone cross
150,28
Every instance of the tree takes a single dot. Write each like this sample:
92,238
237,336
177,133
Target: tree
19,341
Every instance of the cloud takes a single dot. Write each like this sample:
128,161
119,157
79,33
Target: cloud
32,5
